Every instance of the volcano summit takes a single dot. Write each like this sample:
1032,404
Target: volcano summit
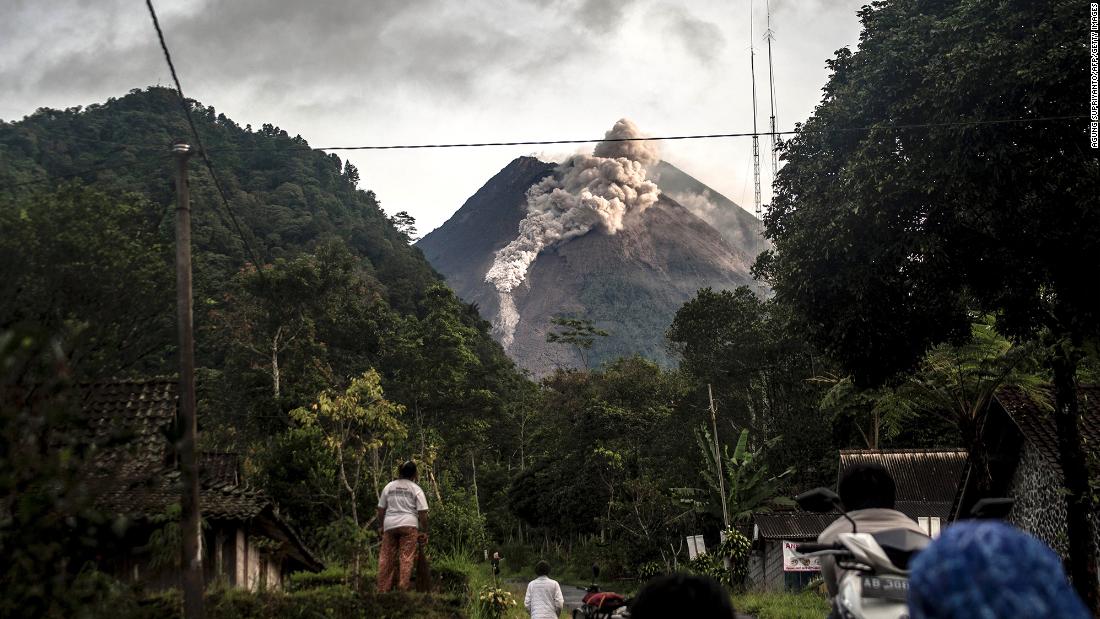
594,237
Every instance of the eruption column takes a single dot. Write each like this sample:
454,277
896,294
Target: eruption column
585,192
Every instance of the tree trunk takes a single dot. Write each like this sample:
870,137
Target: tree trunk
347,486
1082,550
275,362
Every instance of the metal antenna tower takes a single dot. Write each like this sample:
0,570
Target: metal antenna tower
769,36
755,135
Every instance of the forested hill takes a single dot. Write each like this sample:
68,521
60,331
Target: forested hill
289,197
87,213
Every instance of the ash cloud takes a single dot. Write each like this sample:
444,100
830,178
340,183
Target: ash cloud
597,191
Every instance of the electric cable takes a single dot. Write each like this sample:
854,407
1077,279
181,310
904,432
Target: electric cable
703,136
198,142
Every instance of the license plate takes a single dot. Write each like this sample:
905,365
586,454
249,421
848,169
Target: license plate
885,588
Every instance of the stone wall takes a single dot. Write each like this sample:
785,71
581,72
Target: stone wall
1040,507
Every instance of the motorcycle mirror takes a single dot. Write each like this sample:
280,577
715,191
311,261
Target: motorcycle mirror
993,508
819,501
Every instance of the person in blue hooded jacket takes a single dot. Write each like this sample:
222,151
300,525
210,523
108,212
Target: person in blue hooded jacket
990,570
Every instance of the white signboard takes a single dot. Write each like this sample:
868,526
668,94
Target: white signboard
795,562
696,546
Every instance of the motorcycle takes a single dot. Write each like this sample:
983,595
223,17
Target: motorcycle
875,583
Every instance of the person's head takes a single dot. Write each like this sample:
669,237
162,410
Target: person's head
676,595
407,470
989,569
864,486
542,568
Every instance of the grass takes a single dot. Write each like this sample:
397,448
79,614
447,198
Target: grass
805,605
481,576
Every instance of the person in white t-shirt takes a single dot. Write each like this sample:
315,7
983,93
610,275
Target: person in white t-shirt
543,599
402,508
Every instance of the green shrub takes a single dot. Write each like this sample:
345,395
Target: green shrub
456,525
301,581
451,579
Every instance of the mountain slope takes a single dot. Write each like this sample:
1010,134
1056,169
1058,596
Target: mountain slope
739,227
630,283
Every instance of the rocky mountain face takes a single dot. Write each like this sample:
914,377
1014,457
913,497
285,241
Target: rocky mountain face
629,284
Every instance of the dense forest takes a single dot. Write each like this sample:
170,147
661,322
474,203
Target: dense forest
341,303
329,350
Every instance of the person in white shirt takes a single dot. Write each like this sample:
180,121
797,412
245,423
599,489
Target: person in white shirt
544,599
867,492
402,508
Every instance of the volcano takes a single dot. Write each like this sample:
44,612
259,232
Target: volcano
630,283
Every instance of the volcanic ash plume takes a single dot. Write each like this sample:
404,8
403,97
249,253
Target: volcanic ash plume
586,192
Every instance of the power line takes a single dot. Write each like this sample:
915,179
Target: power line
198,141
703,136
706,136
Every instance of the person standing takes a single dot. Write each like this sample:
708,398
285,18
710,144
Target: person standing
402,508
543,599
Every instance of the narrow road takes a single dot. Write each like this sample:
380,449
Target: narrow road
572,597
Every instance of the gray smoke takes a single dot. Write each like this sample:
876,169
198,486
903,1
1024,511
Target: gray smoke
700,205
586,192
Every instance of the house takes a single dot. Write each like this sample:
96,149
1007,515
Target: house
1020,436
927,483
772,565
246,542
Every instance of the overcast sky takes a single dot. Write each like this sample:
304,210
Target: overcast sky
345,72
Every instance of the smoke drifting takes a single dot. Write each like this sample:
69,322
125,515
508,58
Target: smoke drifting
586,192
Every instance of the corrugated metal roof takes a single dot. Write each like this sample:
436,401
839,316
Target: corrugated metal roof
921,475
792,525
1036,422
927,480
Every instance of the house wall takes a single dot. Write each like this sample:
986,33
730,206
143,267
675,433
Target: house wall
1039,507
766,567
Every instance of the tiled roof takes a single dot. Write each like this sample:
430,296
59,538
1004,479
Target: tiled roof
792,525
1036,421
132,472
127,421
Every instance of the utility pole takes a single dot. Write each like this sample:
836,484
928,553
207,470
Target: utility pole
769,35
718,460
190,515
755,133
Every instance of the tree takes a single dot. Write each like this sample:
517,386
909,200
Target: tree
579,333
575,332
405,224
971,188
353,424
78,257
748,486
761,370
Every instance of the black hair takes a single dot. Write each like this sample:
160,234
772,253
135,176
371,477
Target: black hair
542,568
867,485
676,595
407,470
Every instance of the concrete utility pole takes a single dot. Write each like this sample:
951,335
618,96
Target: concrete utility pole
190,516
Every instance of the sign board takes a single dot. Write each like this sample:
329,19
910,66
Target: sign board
795,562
696,547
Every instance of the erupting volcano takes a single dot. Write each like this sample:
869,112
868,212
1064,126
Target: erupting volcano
595,238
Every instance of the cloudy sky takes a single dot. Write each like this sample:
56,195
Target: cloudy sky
352,72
